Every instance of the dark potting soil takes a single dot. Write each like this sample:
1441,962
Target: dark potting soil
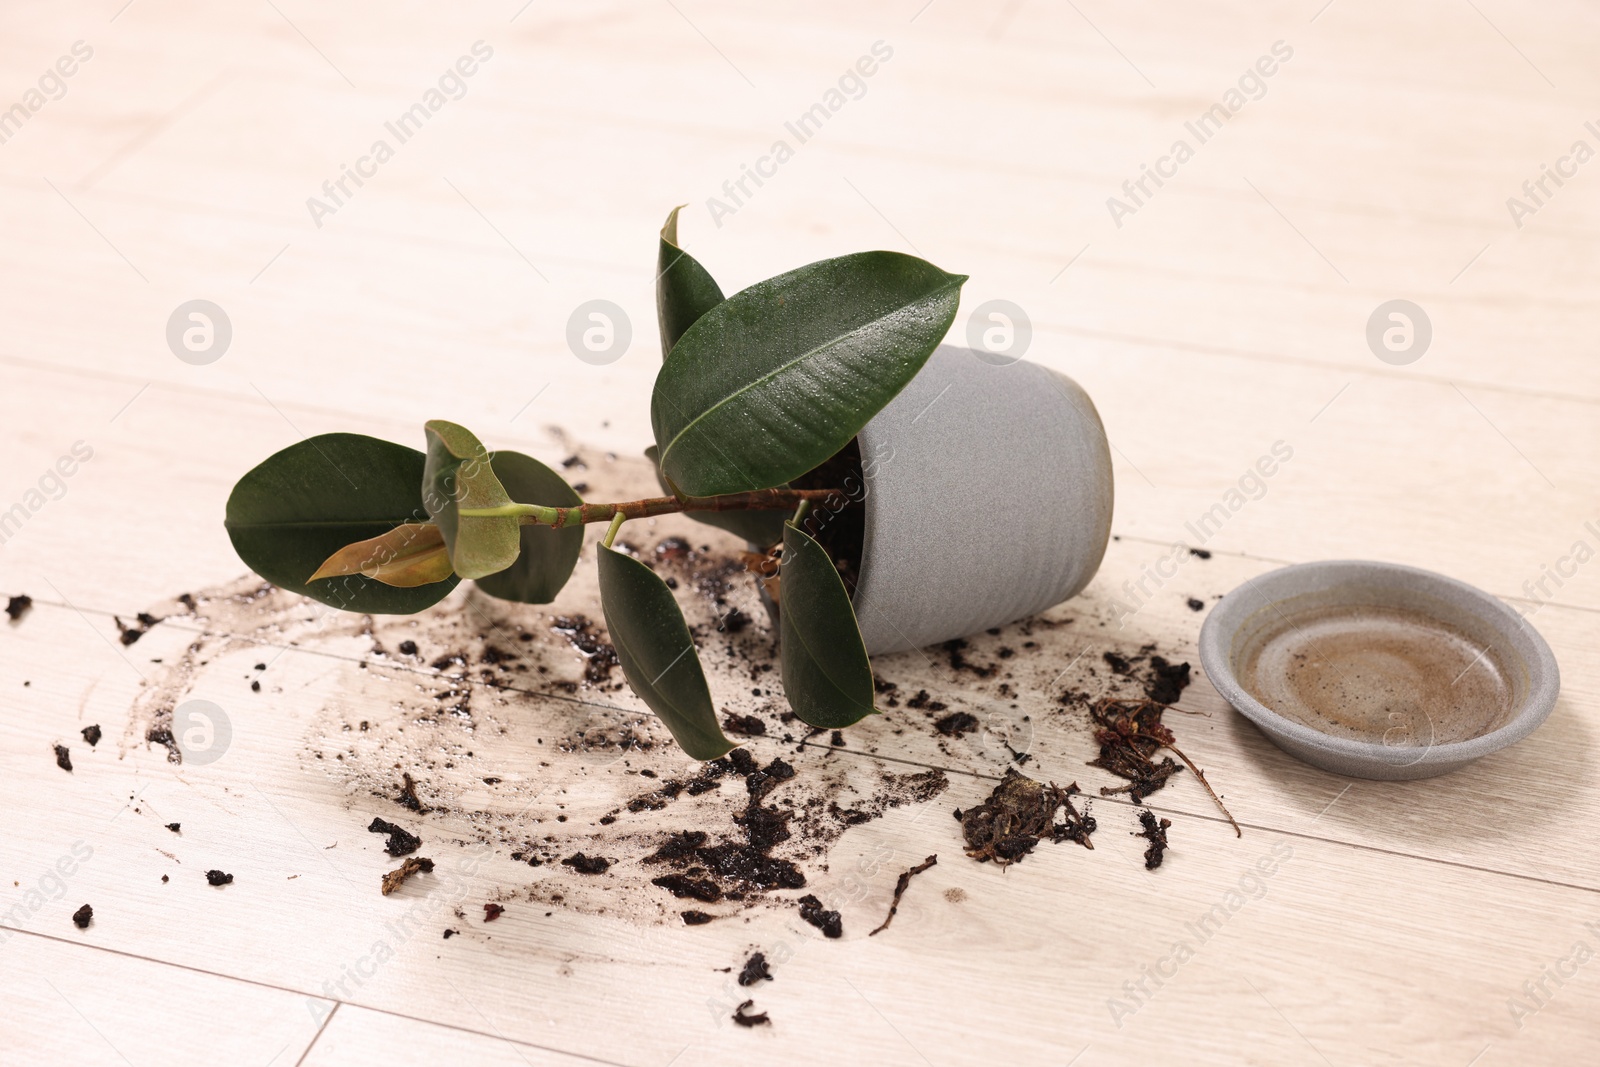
599,656
1196,604
957,724
812,911
401,842
748,725
83,917
587,864
175,827
755,970
92,735
1020,812
408,794
491,912
218,878
18,606
696,918
742,1016
63,758
1156,833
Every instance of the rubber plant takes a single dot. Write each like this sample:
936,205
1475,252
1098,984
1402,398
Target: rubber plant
755,391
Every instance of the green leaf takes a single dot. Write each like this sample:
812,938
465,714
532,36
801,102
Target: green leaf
409,555
826,674
764,528
303,504
657,654
460,474
780,376
684,289
548,555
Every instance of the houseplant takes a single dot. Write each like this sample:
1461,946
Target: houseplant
761,396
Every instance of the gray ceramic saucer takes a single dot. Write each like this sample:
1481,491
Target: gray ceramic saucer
1378,670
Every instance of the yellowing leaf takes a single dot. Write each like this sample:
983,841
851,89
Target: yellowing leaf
409,555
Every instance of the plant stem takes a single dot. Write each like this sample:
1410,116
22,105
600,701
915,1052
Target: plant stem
758,500
616,524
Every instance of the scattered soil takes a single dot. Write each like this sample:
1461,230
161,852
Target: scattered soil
587,864
18,606
1195,604
412,865
401,842
1130,732
1020,812
218,878
491,912
900,889
755,970
1156,833
83,917
748,725
175,827
696,918
91,734
63,758
955,894
743,1018
408,794
957,724
1200,553
829,922
142,623
598,655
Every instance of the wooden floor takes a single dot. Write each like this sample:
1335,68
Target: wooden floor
1450,922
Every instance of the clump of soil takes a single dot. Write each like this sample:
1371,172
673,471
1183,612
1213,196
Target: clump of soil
1156,833
63,758
900,890
1196,604
18,606
91,734
829,922
491,912
696,918
957,724
408,794
218,878
401,842
748,725
412,865
1020,811
83,917
1130,732
587,864
755,970
1164,682
743,1018
175,826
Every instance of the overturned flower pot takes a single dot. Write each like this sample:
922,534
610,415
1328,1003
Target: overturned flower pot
987,497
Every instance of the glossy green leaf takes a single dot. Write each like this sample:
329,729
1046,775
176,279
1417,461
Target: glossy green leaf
764,528
303,504
780,376
409,555
548,556
826,674
684,289
657,654
460,474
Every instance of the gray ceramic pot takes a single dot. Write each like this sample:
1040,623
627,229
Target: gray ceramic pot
987,496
